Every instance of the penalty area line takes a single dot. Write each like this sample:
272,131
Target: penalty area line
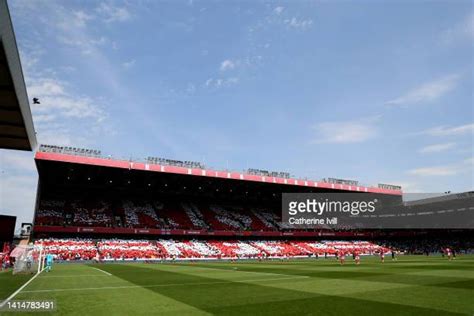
73,276
109,274
161,285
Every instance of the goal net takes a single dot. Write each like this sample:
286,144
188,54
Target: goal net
28,259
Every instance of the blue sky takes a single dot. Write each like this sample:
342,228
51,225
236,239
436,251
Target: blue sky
376,92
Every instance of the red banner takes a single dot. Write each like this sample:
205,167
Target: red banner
181,232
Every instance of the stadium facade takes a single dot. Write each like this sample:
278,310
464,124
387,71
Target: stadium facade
92,206
81,192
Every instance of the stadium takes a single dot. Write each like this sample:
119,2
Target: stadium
176,237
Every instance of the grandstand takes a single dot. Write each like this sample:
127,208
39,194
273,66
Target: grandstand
83,194
95,207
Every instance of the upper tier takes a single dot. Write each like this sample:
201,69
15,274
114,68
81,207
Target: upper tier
197,172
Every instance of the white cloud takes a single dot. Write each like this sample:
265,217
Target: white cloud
435,171
129,64
427,92
45,87
436,148
72,106
61,136
450,131
278,17
69,20
227,65
58,101
278,10
71,28
29,61
340,132
15,160
232,80
81,18
221,82
444,170
298,23
62,113
244,63
55,100
208,82
68,69
462,30
42,118
68,28
87,45
111,13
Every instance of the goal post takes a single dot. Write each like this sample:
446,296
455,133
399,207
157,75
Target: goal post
40,260
28,259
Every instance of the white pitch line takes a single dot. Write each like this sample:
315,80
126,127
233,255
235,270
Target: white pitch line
19,290
159,285
237,270
73,276
109,274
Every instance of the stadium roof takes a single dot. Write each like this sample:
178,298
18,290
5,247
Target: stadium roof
206,173
442,198
16,123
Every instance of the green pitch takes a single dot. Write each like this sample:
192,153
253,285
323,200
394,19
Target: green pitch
410,286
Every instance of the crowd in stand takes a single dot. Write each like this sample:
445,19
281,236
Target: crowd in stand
51,212
171,249
154,214
128,249
69,249
195,215
118,249
141,215
169,215
49,217
99,214
229,218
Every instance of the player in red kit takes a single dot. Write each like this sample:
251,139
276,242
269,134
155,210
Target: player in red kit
357,258
382,256
342,257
